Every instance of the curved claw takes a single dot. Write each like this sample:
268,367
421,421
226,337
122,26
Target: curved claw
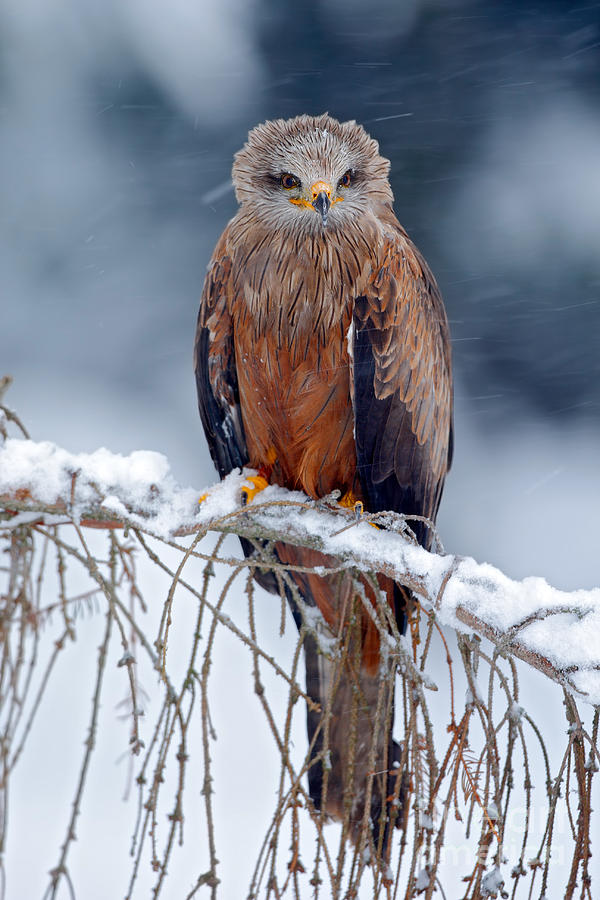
349,501
249,492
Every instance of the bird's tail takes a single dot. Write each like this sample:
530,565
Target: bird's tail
354,772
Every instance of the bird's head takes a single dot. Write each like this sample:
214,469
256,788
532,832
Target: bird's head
311,173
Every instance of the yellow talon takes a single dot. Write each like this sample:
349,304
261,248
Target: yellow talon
248,492
203,497
349,501
358,514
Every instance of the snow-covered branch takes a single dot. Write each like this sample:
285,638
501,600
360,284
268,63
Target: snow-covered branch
555,631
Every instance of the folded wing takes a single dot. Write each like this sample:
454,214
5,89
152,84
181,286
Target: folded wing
402,386
214,364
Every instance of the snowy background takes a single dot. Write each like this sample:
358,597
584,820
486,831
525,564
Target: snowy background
118,123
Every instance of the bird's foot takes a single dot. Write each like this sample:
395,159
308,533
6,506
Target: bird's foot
349,501
257,483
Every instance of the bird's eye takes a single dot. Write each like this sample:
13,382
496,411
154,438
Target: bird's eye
289,181
346,179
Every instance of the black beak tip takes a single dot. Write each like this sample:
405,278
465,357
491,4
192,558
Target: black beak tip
321,204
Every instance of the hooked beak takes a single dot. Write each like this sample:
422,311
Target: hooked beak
321,202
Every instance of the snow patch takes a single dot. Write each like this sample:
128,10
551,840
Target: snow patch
141,481
492,882
562,627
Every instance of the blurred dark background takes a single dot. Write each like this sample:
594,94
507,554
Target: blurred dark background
118,124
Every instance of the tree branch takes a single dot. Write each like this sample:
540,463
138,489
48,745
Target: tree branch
556,632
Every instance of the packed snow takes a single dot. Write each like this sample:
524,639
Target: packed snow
562,627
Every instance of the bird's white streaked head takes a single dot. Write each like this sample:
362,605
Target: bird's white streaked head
311,173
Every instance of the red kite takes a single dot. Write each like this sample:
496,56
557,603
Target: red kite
323,360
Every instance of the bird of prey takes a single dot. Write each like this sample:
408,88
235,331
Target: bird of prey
322,360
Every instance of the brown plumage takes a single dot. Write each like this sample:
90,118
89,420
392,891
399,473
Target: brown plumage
323,359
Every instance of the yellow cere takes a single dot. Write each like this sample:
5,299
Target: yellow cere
317,188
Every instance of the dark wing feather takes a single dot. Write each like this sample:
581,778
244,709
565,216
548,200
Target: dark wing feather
402,386
217,382
214,363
